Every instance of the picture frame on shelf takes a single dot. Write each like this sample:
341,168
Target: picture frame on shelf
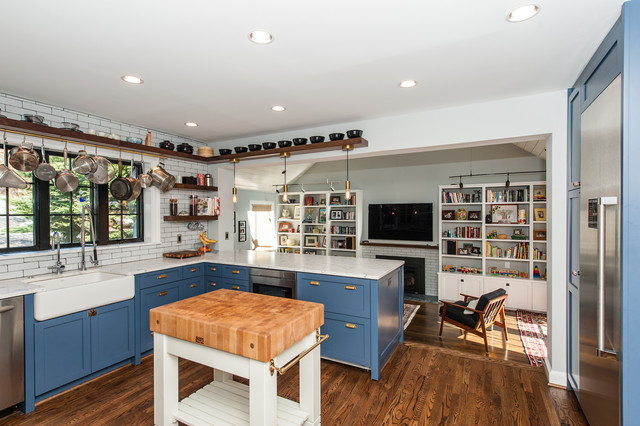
518,231
310,241
540,214
504,213
308,201
475,251
462,251
539,234
336,214
323,202
283,240
539,194
335,199
448,214
296,212
322,215
324,241
473,215
284,227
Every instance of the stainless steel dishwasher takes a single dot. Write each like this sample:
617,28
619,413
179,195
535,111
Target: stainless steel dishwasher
11,352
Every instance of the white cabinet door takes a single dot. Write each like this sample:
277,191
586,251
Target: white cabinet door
539,296
470,285
448,287
518,291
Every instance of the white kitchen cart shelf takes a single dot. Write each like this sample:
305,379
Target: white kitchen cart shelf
471,273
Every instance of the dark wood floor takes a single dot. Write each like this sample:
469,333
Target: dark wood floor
422,384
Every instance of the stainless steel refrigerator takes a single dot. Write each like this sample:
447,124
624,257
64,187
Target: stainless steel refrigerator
600,315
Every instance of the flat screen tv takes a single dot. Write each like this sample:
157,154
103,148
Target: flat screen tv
408,222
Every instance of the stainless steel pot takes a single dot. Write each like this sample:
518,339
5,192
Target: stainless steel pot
9,178
136,186
145,178
83,164
120,187
66,181
161,178
104,170
23,157
44,171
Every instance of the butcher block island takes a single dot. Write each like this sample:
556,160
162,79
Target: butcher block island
250,335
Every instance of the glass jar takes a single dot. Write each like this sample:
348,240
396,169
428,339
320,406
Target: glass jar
193,205
173,207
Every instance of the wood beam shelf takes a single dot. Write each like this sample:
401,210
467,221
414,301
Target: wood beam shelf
189,218
196,187
54,133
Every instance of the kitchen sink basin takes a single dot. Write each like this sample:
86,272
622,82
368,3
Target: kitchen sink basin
69,293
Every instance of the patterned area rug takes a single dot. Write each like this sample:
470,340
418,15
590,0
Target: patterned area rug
533,332
408,314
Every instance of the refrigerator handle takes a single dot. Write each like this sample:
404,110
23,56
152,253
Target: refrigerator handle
602,203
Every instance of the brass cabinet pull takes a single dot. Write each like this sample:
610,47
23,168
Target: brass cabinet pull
92,312
194,285
212,284
162,293
162,276
314,283
349,325
192,270
213,269
235,271
349,287
235,287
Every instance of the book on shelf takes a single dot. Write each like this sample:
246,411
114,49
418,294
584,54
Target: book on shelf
519,251
508,196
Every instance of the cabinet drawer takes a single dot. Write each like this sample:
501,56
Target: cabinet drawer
344,296
151,298
192,271
240,285
349,339
191,287
235,272
212,283
159,277
212,269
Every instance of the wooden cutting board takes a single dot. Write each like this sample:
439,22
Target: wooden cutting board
182,254
247,324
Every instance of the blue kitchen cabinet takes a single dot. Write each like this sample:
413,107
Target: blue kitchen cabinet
150,298
191,287
71,348
362,317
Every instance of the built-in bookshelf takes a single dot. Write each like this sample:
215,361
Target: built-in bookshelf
320,223
494,232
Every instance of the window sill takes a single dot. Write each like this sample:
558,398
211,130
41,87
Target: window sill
89,249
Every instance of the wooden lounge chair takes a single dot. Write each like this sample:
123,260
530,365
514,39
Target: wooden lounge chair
484,315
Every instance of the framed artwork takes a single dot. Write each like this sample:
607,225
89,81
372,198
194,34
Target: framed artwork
323,202
448,214
473,216
463,251
283,240
518,231
310,241
539,234
296,212
540,214
335,199
284,227
308,201
324,241
322,215
475,251
540,194
242,231
336,214
504,213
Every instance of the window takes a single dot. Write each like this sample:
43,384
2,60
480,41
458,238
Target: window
29,216
261,225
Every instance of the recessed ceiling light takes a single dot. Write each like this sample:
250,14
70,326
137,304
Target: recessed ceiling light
523,13
277,108
191,124
261,37
132,79
408,83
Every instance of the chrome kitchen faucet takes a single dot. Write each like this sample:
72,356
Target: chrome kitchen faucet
58,268
83,264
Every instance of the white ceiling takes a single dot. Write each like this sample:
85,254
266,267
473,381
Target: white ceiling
331,61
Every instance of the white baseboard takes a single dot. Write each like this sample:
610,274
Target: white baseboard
554,377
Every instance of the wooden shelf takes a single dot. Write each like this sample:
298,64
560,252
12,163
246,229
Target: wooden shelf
189,218
42,130
192,186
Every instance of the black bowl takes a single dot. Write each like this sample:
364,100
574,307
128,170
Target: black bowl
268,145
255,147
336,136
284,144
240,149
354,133
299,141
166,145
185,149
225,151
316,139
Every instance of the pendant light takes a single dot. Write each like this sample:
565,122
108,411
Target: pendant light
508,182
347,183
285,187
234,191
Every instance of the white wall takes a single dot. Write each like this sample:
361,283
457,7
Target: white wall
540,116
242,209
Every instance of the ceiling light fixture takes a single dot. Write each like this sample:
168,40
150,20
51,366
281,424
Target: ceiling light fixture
191,124
278,108
285,187
347,183
508,182
132,79
523,13
260,37
234,191
408,83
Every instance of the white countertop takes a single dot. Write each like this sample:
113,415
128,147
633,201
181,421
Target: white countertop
372,269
